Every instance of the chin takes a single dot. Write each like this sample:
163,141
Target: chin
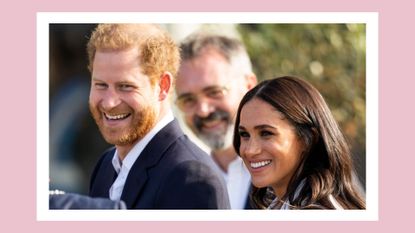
259,184
115,139
112,140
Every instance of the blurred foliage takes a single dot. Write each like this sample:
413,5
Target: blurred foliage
330,56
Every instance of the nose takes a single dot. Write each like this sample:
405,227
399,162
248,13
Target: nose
203,108
110,99
250,148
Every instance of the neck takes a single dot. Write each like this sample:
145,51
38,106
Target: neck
279,193
123,150
224,157
163,111
279,189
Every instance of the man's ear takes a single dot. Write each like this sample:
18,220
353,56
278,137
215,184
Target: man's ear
251,81
165,83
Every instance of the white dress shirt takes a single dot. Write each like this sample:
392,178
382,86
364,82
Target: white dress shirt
123,167
238,182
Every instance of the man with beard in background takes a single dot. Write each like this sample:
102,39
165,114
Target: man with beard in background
214,75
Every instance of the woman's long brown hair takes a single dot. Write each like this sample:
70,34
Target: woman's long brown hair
326,164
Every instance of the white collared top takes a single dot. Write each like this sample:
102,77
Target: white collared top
238,182
123,168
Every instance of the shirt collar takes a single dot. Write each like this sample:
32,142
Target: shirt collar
135,152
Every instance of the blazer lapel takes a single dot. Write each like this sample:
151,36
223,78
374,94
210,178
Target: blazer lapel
150,156
134,184
105,177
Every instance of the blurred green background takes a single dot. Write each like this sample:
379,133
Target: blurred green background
330,56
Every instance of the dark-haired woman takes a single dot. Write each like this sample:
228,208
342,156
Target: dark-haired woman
294,149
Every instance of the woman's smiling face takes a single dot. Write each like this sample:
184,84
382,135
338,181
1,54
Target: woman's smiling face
269,146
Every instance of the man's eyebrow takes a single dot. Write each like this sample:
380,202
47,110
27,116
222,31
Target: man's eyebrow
184,95
208,88
212,87
96,79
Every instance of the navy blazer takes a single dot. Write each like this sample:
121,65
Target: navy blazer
170,173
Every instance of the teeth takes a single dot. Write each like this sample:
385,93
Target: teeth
116,117
260,164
